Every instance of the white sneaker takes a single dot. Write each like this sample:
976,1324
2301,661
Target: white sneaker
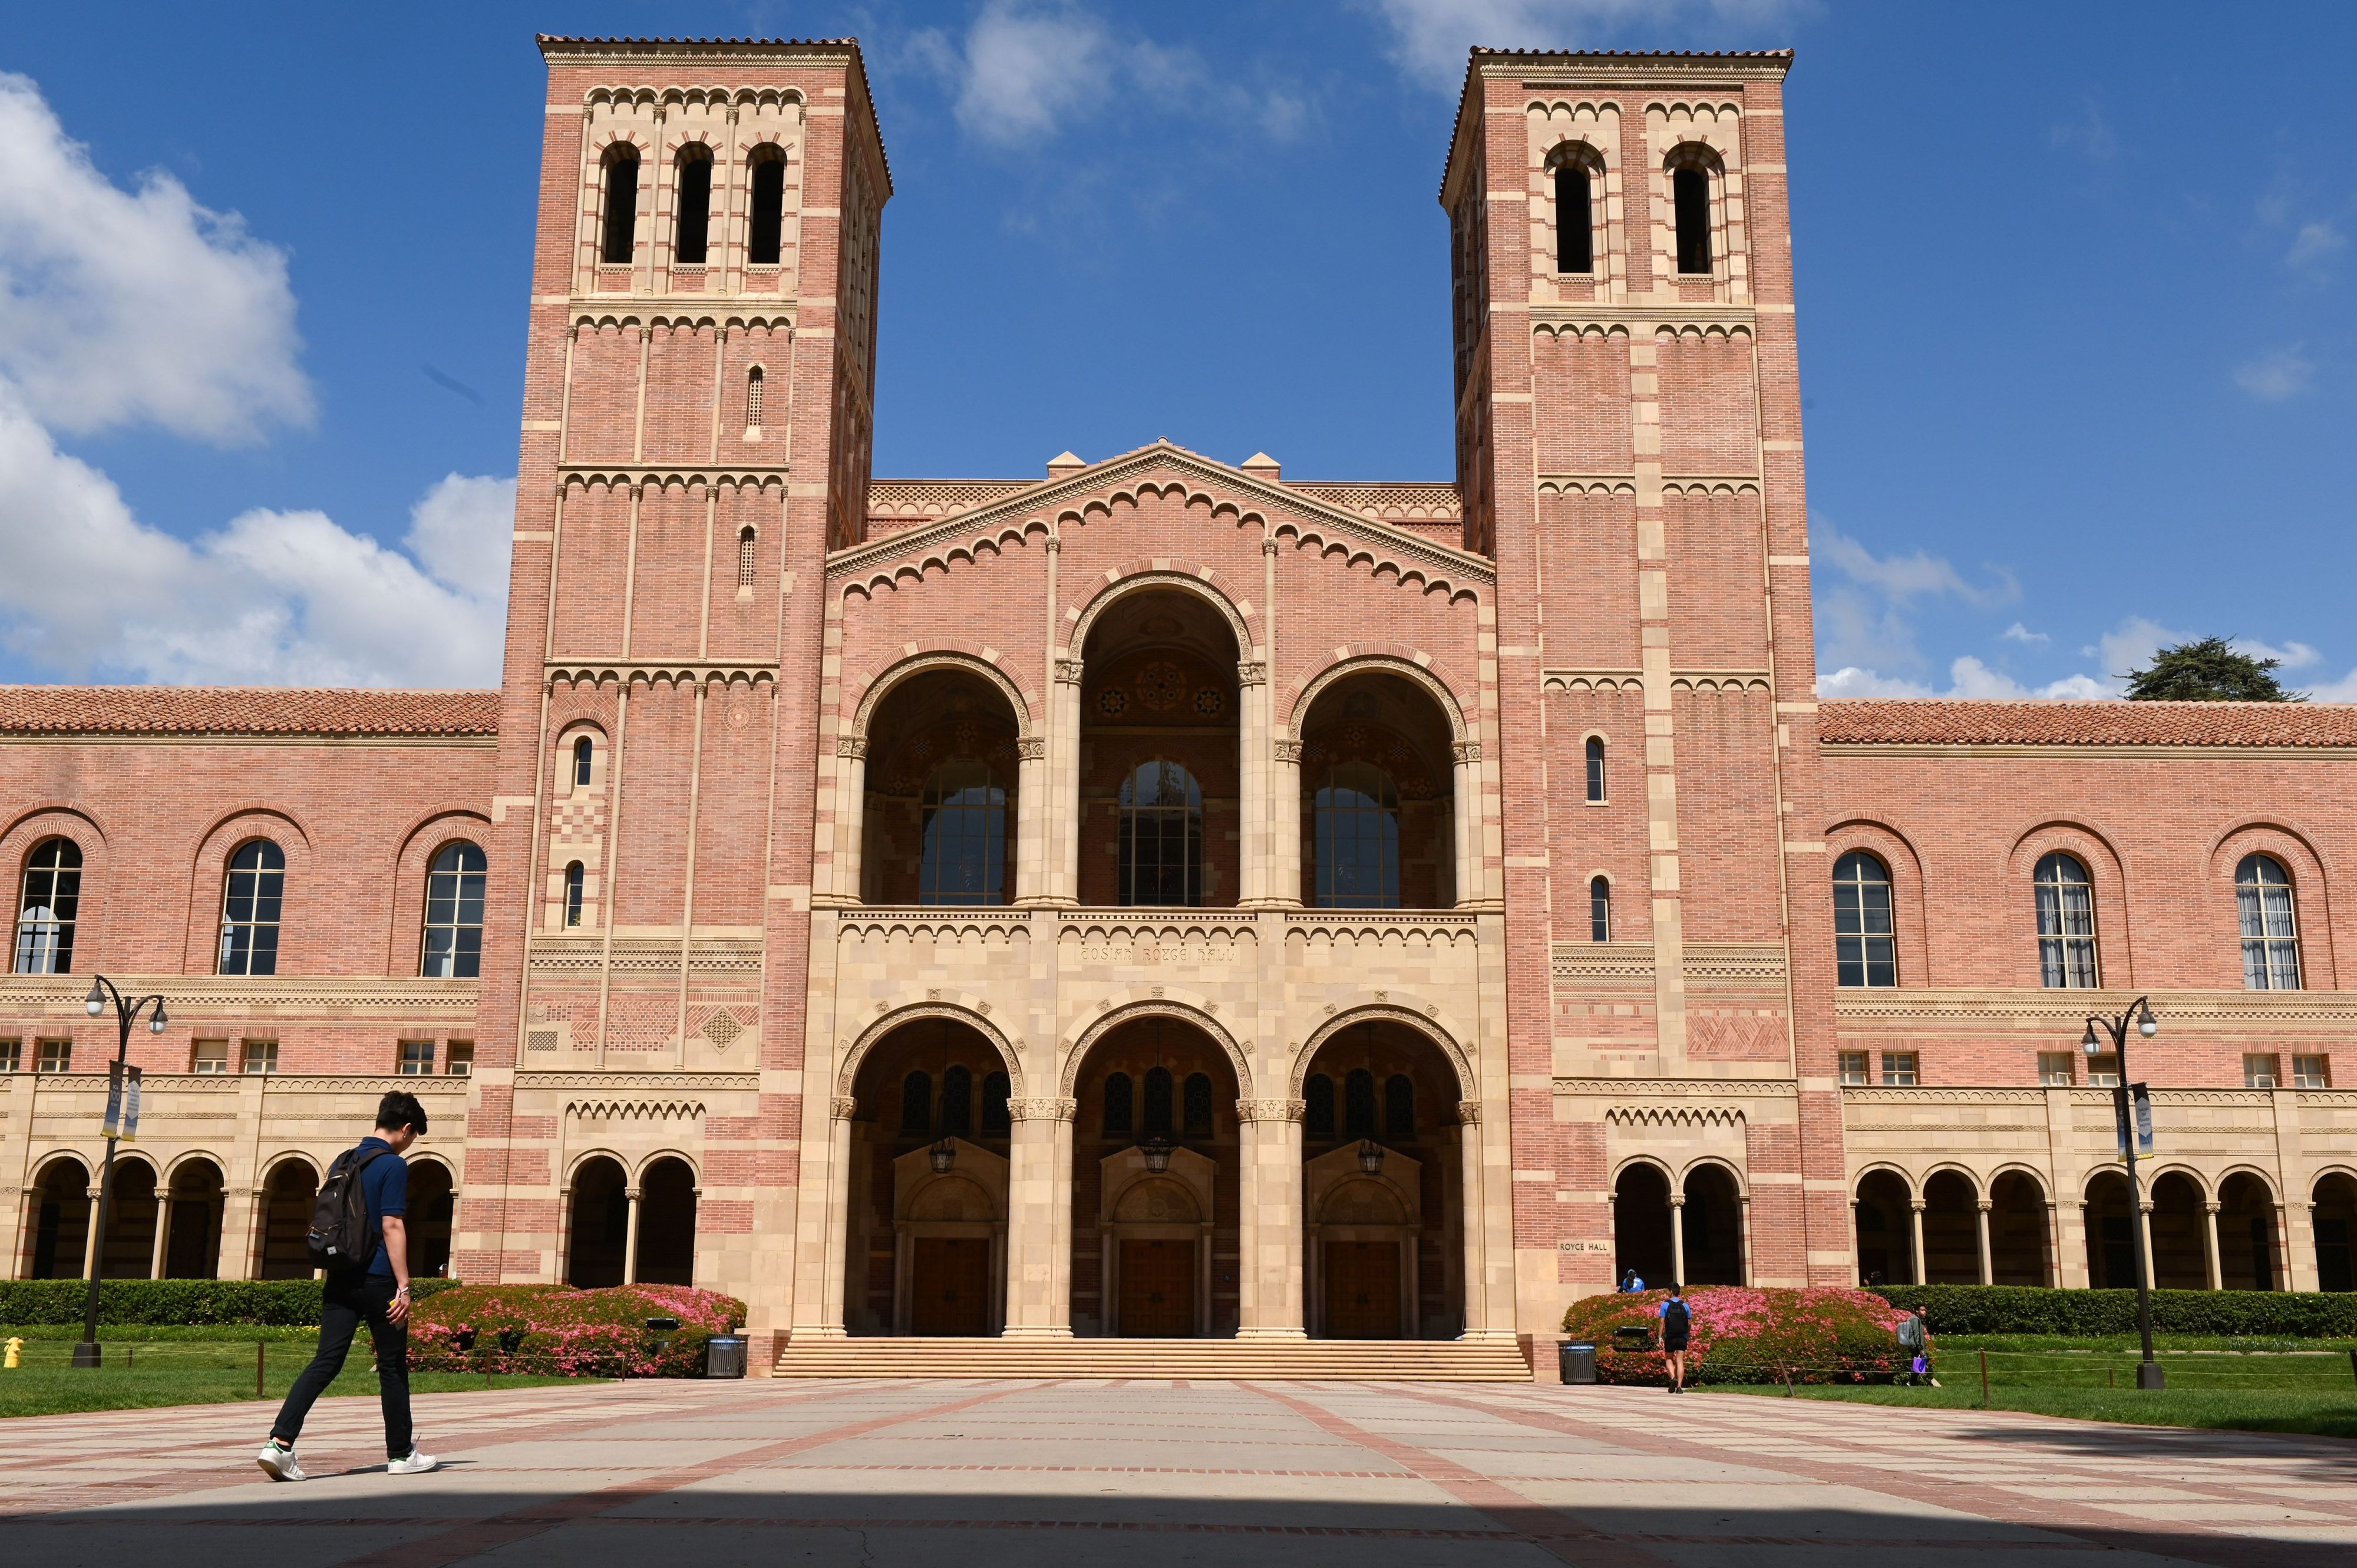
277,1461
416,1464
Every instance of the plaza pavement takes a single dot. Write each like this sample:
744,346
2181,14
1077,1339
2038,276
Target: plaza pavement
1145,1473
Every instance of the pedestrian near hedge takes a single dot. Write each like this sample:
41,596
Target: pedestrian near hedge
1631,1285
1677,1323
359,1236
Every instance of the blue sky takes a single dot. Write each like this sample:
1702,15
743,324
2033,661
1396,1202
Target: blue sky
2075,318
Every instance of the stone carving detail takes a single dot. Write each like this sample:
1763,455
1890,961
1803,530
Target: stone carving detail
1675,1116
1270,1109
1251,672
845,1107
1068,671
1468,1113
540,1039
851,746
1047,1108
1466,750
1288,751
722,1028
1031,748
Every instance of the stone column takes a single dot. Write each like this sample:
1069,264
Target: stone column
1285,797
630,1239
1465,819
834,1198
1677,1240
1039,1191
2210,1243
1275,1275
2143,1223
90,1239
1743,1237
1064,783
1988,1260
2283,1247
1257,762
1468,1156
163,1231
1032,871
1915,1239
850,815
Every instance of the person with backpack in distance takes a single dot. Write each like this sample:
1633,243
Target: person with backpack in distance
1677,1323
359,1238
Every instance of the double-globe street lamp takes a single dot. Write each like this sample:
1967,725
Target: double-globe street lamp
86,1354
2138,1016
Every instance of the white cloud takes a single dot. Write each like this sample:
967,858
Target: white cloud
1430,37
2313,244
2341,690
1867,618
2277,376
119,308
2018,632
2291,655
2132,644
1967,678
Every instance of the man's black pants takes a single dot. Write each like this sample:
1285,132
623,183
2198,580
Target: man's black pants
348,1302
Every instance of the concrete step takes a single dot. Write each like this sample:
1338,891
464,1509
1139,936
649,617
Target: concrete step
1392,1360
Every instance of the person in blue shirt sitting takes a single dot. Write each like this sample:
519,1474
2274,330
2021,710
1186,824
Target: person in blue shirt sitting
1630,1283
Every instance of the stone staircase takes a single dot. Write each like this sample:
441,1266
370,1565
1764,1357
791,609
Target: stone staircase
1488,1360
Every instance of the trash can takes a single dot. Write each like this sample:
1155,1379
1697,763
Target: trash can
1575,1361
724,1355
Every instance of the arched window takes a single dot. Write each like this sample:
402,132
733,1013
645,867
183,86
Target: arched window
1317,1108
1155,1114
2066,924
963,859
745,541
1600,909
694,203
1119,1117
577,877
1161,836
1865,950
453,914
2270,938
581,752
753,390
1596,769
1195,1105
45,914
1690,196
957,1102
1358,839
1575,217
994,1117
1399,1107
250,901
1359,1104
621,206
763,241
917,1103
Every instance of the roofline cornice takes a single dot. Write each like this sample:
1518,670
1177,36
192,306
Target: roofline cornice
555,48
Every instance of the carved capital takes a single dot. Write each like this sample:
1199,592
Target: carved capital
851,746
1270,1109
1251,672
1466,751
1068,671
1031,748
1053,544
1468,1113
1045,1107
845,1107
1288,751
1268,546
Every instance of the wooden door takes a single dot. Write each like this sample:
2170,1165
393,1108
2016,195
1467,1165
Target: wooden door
951,1291
1362,1289
1157,1289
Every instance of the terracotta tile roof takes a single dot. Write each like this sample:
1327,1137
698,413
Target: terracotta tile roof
243,710
1933,722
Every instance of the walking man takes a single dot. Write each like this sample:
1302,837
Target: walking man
367,1281
1677,1323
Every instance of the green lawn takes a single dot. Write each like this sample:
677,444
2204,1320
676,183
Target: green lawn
146,1366
2311,1389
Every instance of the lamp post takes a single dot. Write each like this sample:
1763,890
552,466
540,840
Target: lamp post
2139,1015
86,1354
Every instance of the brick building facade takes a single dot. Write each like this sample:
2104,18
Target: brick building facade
1160,898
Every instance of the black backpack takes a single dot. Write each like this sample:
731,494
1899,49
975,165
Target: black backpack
1675,1319
340,1236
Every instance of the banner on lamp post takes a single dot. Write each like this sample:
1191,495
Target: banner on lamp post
123,1103
2140,1096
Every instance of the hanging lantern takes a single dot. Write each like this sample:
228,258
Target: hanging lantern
943,1154
1158,1155
1370,1158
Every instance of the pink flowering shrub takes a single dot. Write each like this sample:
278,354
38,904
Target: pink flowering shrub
1746,1336
555,1329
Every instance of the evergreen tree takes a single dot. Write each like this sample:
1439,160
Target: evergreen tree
2210,670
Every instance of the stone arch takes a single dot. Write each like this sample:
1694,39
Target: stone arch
2099,852
1185,1010
596,1151
1902,862
57,1215
894,675
974,1013
1641,1188
1678,1177
2311,892
1406,670
1427,1025
639,1170
1084,620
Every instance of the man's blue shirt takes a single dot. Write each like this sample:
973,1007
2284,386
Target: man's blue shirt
384,1185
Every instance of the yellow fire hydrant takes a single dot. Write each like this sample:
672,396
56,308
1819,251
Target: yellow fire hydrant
15,1350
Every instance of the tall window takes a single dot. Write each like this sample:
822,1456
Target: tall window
1357,816
746,540
577,879
1155,1114
763,240
1866,952
693,202
250,901
45,914
1120,1112
1596,769
957,1102
453,914
581,752
1575,218
1195,1105
2262,900
964,854
1359,1104
1399,1107
1317,1108
1690,193
621,236
917,1102
753,390
1161,836
1600,909
2066,924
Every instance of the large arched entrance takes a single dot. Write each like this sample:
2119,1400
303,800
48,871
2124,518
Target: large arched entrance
1156,1240
939,815
597,1241
666,1223
2179,1251
2111,1244
432,1203
926,1228
288,1192
1382,1187
1160,799
2247,1233
2017,1230
129,1250
1952,1229
58,1224
1377,820
1885,1234
1711,1220
192,1220
1640,1225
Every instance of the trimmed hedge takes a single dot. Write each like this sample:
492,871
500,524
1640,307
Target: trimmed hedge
285,1304
2034,1309
1746,1334
556,1330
